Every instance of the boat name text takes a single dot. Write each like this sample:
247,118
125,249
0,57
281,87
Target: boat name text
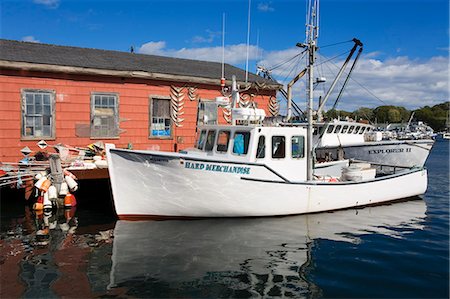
390,151
217,168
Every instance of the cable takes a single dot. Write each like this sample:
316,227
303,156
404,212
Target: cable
365,88
338,43
288,60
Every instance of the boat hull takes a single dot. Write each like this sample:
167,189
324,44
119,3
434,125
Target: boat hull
396,153
149,184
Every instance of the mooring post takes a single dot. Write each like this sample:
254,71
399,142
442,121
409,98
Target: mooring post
56,171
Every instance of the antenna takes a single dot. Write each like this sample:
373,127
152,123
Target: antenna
248,40
223,47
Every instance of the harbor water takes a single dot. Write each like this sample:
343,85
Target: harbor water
400,250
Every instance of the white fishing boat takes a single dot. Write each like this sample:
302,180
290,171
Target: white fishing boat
353,140
250,169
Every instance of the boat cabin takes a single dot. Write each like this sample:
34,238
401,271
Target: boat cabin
339,133
280,148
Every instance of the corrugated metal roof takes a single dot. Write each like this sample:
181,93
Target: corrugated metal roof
18,51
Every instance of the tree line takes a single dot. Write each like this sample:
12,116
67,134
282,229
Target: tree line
436,117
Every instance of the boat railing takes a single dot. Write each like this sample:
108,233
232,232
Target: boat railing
382,168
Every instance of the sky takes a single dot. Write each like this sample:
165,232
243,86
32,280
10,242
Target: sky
405,60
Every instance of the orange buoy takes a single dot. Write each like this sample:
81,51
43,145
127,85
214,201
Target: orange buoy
68,200
38,206
45,185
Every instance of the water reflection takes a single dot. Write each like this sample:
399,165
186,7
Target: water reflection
43,256
242,257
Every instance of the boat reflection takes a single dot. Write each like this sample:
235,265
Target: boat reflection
243,257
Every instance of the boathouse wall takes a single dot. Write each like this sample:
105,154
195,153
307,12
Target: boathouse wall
73,107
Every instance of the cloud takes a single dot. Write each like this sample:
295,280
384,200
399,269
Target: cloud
153,48
234,54
265,7
210,36
30,38
401,81
48,3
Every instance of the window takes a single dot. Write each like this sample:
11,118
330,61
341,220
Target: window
298,146
160,121
362,130
330,128
350,130
338,128
344,129
241,141
201,140
261,151
356,130
207,113
104,115
38,114
222,141
210,140
278,147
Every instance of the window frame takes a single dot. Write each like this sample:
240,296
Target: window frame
228,141
23,93
257,156
301,137
150,118
337,129
330,129
201,141
272,147
92,115
248,143
214,133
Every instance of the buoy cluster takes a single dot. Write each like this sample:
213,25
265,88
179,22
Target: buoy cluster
50,194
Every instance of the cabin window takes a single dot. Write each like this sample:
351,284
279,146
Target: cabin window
350,130
330,128
207,112
357,128
201,140
210,140
338,128
222,141
241,141
160,121
261,151
38,114
278,147
362,130
104,115
344,129
298,147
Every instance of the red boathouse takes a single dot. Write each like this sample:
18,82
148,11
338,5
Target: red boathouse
78,96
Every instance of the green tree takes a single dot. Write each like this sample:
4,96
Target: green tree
363,113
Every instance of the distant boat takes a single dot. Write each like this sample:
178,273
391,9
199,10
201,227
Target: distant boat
250,169
353,140
446,135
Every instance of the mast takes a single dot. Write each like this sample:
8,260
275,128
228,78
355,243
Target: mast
312,33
